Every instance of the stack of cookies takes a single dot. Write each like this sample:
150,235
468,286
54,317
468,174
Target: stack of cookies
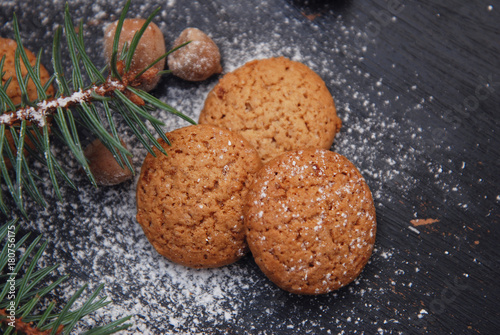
257,174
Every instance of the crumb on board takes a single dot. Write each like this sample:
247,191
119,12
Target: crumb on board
423,222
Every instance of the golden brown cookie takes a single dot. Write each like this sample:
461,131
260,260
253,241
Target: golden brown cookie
310,221
190,203
276,104
8,48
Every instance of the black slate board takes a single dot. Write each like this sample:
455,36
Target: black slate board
417,86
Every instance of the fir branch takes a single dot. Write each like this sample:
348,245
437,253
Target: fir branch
20,296
37,114
116,92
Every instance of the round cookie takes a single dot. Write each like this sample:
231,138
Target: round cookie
277,104
310,221
8,49
190,203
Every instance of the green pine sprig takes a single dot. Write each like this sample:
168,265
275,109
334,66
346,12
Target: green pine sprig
24,285
74,105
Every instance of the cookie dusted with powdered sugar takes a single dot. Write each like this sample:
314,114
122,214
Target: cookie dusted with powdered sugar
277,104
190,203
310,221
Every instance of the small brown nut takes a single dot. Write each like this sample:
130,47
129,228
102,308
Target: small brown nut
104,166
151,46
196,61
8,49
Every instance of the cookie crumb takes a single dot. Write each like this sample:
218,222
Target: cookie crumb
422,222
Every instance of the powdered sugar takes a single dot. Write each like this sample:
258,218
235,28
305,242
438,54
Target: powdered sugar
94,233
107,245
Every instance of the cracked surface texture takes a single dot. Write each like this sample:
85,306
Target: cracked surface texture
277,104
190,203
310,221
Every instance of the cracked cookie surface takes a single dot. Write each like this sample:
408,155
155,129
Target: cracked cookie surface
190,203
277,104
310,221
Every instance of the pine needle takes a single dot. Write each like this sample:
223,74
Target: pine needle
137,36
31,73
77,103
29,290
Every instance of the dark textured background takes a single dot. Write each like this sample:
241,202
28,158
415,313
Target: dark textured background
430,69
